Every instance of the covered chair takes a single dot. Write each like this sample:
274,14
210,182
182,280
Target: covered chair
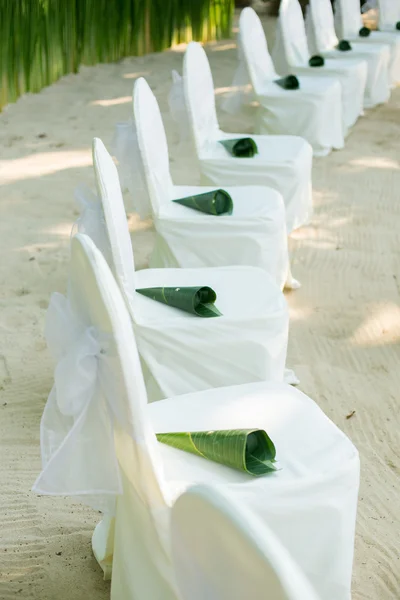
182,352
283,163
222,551
389,14
254,234
322,40
313,111
98,440
349,23
291,55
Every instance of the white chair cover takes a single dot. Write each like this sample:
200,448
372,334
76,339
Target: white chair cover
292,55
283,163
126,150
313,496
182,352
314,111
177,109
322,39
221,551
389,14
255,234
348,22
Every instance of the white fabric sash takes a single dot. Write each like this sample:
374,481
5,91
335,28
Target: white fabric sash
76,431
125,147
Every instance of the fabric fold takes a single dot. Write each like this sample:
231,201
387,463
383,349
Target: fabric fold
241,147
249,450
216,202
195,300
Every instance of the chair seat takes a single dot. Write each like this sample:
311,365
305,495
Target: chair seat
377,56
314,111
352,75
185,352
313,496
253,235
391,39
283,163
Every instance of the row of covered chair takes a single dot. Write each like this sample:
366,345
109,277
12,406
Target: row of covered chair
131,370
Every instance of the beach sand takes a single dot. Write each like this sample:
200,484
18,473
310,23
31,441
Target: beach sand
345,320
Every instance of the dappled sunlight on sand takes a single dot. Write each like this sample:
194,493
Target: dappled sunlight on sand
381,326
43,163
112,101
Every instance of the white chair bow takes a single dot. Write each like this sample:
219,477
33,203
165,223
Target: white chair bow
78,417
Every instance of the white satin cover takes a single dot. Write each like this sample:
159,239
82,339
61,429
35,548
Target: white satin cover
322,39
314,111
291,55
309,504
348,22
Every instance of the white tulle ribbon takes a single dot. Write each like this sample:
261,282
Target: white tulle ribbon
241,89
178,110
77,427
125,147
91,219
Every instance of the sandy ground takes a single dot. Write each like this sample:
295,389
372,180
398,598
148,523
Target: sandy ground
345,320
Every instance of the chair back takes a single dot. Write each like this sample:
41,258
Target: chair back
199,97
221,551
348,19
152,144
255,49
121,260
389,14
320,26
291,47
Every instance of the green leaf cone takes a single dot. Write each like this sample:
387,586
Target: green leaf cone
216,202
316,61
195,300
398,25
290,82
364,32
241,147
248,450
344,46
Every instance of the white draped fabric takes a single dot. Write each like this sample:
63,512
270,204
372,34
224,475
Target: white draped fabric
283,162
313,496
389,14
222,551
322,39
348,22
125,148
291,55
254,234
181,352
314,111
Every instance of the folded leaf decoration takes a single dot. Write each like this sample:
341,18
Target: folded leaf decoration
249,450
364,32
316,61
344,46
289,82
398,25
241,147
216,202
195,300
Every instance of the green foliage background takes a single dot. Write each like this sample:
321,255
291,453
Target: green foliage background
41,40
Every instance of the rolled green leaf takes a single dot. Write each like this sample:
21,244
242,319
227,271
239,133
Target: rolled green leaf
195,300
290,82
249,450
316,61
241,147
344,46
364,32
216,202
398,25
